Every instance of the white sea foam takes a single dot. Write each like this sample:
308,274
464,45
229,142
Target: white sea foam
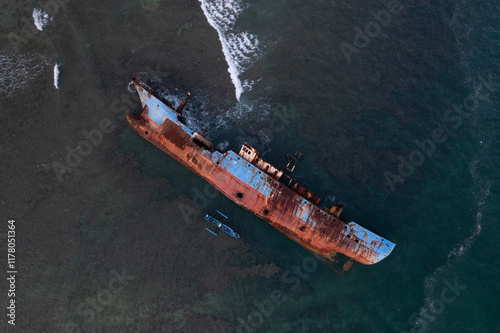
240,49
201,113
41,18
481,193
465,43
17,70
223,145
131,87
56,76
200,116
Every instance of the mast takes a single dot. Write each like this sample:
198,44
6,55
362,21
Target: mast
183,104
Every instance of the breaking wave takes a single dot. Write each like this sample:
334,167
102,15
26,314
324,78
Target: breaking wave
17,70
56,76
41,18
240,48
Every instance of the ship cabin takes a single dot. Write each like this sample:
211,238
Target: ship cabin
251,154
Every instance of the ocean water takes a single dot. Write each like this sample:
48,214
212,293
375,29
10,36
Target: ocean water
393,103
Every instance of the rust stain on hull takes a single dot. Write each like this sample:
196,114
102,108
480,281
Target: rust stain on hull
254,184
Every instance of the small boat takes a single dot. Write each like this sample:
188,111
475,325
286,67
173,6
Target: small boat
220,225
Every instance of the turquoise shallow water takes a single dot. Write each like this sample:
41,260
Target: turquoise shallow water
394,105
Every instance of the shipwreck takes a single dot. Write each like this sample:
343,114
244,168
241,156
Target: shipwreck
248,180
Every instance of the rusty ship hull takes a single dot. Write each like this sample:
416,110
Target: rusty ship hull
254,184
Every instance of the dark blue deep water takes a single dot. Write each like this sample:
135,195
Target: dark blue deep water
394,104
